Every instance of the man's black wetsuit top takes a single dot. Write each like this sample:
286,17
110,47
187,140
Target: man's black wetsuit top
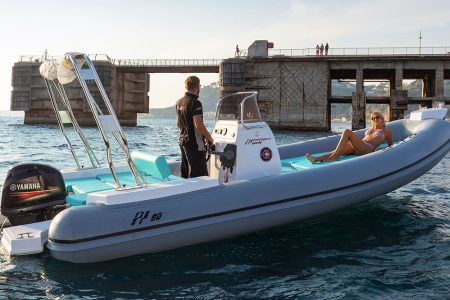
193,160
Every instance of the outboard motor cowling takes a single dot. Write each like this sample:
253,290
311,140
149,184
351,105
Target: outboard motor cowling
31,192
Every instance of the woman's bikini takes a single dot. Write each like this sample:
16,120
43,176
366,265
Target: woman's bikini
379,133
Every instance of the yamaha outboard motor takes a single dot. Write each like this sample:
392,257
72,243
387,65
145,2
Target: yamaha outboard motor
32,193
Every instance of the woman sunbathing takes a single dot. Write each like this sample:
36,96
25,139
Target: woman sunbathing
351,143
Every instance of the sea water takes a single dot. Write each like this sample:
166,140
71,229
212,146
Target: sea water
393,247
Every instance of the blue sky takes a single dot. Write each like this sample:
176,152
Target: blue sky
208,29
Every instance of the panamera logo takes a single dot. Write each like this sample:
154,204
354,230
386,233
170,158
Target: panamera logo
25,186
256,141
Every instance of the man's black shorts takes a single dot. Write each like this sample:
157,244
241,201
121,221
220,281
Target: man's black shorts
193,162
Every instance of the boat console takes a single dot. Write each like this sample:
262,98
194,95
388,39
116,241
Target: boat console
245,145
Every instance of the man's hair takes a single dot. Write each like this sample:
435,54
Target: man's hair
191,82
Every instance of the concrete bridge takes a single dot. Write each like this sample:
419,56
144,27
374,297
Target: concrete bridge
126,82
294,85
295,91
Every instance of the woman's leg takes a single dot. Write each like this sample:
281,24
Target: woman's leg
313,159
359,147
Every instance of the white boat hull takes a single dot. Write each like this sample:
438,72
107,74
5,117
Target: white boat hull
241,207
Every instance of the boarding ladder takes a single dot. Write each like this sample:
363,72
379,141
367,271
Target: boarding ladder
105,119
66,116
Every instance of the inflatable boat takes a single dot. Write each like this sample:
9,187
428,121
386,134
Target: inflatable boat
99,213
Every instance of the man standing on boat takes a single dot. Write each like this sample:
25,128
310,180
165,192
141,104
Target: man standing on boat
192,131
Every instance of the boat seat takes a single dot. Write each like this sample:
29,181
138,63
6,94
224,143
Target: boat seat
302,163
87,185
153,168
126,178
287,169
154,165
76,199
381,146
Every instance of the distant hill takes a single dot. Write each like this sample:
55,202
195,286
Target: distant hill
209,95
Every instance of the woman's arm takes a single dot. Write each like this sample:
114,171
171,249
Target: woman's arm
389,136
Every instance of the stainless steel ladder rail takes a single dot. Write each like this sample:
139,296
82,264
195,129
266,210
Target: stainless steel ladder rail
60,122
59,87
107,123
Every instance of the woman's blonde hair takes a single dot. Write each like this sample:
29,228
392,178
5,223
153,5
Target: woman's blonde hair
377,113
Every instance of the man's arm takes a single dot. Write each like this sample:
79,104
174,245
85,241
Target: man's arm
198,123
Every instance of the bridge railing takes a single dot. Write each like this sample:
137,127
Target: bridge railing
133,62
364,51
165,62
241,54
42,58
388,51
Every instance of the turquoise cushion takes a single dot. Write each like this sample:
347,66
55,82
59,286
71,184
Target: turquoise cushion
77,199
127,179
381,146
87,185
173,177
124,178
302,163
149,164
287,169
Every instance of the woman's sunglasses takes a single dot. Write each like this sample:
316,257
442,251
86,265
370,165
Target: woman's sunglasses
377,117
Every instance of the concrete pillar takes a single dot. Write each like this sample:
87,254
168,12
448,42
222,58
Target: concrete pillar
439,82
399,97
428,87
359,102
328,101
231,76
128,96
398,104
21,81
118,91
398,78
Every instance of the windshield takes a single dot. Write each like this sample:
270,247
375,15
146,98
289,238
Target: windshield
242,106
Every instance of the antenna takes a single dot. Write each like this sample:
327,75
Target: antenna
420,42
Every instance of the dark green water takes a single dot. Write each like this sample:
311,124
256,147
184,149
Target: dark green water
394,247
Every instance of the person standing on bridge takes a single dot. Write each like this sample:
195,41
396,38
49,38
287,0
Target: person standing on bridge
317,50
321,49
192,131
237,53
326,48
